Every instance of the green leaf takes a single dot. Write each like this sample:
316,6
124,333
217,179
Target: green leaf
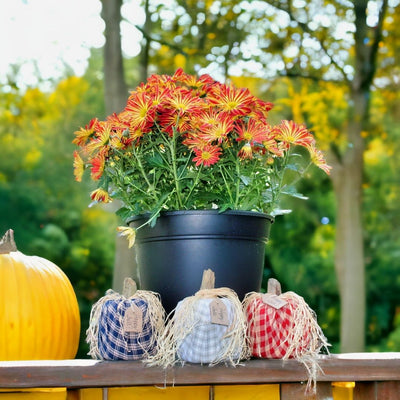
245,179
294,167
291,191
156,161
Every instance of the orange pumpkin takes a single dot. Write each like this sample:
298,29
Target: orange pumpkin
39,313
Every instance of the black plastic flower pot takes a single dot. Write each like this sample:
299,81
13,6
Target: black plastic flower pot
172,255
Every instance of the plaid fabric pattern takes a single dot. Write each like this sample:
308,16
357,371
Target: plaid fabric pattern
270,329
113,342
205,343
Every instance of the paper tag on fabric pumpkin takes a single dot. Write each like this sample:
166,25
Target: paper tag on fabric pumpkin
133,319
273,300
219,312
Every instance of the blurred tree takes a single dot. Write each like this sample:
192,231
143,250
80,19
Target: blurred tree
116,94
38,196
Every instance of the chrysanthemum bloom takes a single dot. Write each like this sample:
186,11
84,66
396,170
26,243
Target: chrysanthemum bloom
217,131
207,156
318,159
194,141
198,85
97,168
100,195
170,121
291,133
271,145
246,152
183,102
261,108
79,166
231,100
102,137
129,233
140,111
84,134
252,131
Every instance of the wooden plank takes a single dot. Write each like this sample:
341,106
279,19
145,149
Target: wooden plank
90,373
365,391
389,390
297,391
132,373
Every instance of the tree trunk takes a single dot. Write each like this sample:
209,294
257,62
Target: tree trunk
115,89
349,252
347,177
116,94
145,53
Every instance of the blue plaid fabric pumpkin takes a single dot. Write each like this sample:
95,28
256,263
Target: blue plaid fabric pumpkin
125,327
114,343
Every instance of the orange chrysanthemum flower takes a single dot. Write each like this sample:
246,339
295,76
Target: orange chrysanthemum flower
79,166
84,134
318,159
141,111
101,142
246,152
252,131
117,123
97,168
291,133
129,233
170,120
100,195
216,129
156,80
199,85
261,108
271,145
159,96
195,141
231,100
208,155
183,102
185,78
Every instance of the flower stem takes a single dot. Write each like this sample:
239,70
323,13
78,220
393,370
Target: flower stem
228,189
143,172
196,180
172,147
237,195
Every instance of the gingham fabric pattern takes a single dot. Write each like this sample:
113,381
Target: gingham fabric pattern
206,343
113,342
270,329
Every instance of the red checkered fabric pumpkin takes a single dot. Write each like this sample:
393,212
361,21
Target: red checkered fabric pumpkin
281,325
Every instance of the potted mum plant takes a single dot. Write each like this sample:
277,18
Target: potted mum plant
185,151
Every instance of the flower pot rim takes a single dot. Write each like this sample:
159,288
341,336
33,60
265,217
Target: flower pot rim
245,213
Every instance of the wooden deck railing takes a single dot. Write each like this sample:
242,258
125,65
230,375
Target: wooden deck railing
376,376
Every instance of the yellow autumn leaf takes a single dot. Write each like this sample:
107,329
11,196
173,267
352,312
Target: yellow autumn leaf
376,152
180,61
32,158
